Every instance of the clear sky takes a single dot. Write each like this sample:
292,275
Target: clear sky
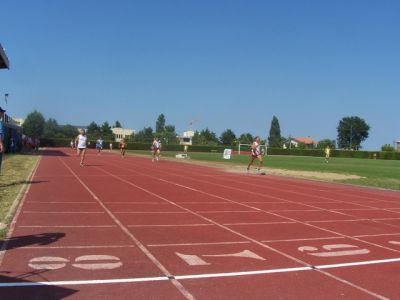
227,63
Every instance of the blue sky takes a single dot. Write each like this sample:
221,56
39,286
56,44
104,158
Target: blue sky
227,63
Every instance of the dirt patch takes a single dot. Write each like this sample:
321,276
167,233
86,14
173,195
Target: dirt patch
278,172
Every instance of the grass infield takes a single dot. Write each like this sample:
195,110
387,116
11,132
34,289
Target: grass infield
374,173
15,169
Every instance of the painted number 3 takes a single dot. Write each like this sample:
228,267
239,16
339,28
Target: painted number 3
333,250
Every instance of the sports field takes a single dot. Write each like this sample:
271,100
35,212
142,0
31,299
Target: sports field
136,229
374,173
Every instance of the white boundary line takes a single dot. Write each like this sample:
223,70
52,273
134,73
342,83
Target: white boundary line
196,276
20,199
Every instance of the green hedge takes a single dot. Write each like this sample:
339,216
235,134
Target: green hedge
220,149
335,153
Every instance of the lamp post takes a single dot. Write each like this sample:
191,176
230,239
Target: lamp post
351,135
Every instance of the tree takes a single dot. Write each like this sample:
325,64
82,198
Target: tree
34,125
227,137
106,132
274,138
51,129
169,134
322,144
93,130
69,131
246,138
205,137
160,124
117,124
352,131
145,135
388,148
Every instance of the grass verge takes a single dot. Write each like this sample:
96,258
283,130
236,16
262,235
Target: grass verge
373,173
15,169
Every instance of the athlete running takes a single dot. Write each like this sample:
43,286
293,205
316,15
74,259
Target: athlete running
256,153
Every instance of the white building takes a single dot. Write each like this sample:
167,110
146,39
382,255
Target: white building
398,145
122,133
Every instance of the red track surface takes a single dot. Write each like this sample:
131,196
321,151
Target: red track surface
133,229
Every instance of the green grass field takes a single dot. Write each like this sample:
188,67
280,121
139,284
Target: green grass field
375,173
15,170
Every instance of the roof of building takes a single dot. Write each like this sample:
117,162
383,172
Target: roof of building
4,63
306,140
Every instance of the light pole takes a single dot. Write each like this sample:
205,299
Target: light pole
351,135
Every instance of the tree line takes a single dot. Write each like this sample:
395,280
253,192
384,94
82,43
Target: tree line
351,132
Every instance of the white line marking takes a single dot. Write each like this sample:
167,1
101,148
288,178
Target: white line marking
172,225
62,212
198,244
197,276
77,247
68,226
309,239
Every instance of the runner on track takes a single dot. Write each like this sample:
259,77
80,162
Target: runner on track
156,148
122,146
99,145
256,153
81,141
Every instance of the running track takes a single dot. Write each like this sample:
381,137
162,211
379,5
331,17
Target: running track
133,229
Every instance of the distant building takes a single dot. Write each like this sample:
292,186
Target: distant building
398,145
122,133
307,141
19,121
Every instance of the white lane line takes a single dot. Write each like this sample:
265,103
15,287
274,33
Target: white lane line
77,247
172,225
19,201
196,276
68,226
61,202
306,239
149,255
150,212
198,244
62,212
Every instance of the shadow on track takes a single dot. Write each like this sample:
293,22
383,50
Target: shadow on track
30,240
19,288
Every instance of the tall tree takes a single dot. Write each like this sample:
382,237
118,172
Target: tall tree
322,144
275,138
205,137
246,138
352,131
160,123
51,129
69,131
117,124
144,136
34,124
227,137
93,130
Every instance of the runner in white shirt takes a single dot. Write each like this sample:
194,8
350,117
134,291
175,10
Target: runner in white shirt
156,148
81,141
256,153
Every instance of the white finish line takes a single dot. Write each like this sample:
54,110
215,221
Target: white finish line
198,276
